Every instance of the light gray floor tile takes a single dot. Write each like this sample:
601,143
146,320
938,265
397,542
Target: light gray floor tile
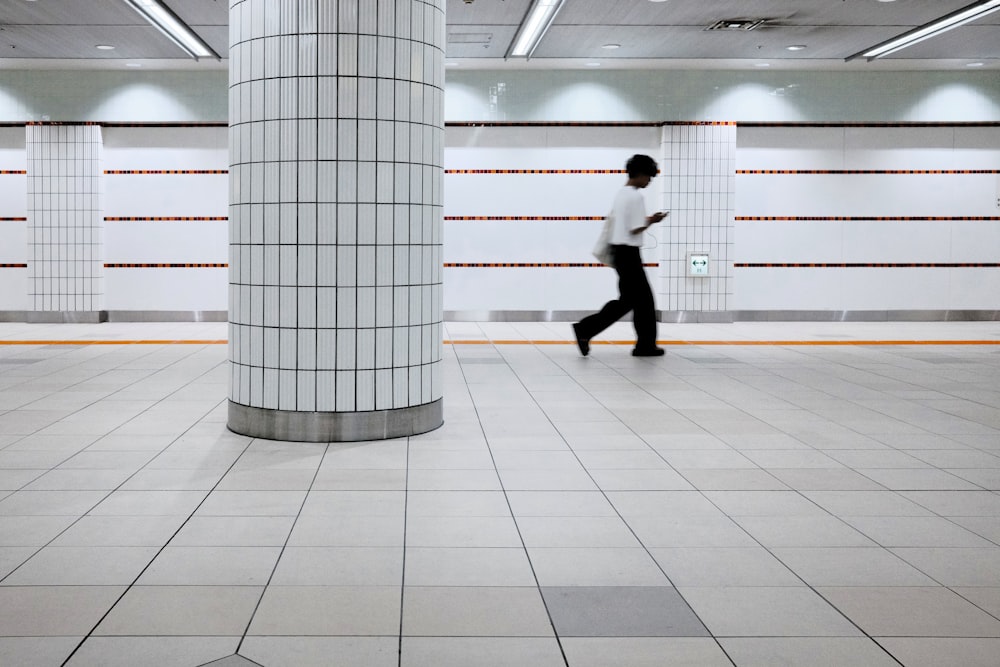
764,503
462,532
851,566
547,480
987,599
160,651
720,479
560,503
14,479
456,503
32,531
322,651
575,532
916,531
234,531
480,652
355,479
792,611
812,651
957,503
933,652
328,611
294,479
339,566
956,566
685,504
36,650
708,459
211,566
610,611
866,503
468,567
82,566
691,532
53,611
349,531
474,612
252,503
800,531
181,610
149,503
640,480
79,480
50,503
909,479
469,480
595,567
354,503
119,531
163,479
987,527
929,612
12,557
729,566
825,480
643,652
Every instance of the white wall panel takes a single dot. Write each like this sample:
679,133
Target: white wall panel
14,289
13,242
541,289
974,289
782,147
790,241
893,288
184,289
787,289
166,242
874,241
167,195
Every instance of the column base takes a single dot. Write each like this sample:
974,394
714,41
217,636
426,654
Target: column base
291,426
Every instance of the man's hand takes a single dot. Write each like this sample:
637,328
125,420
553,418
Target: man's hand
656,217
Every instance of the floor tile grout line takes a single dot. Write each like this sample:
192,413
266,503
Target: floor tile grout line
510,509
298,515
702,493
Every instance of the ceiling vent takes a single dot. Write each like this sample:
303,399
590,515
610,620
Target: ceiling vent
738,25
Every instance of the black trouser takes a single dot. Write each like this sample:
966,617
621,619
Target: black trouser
634,294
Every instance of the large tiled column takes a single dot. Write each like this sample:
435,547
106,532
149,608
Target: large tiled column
65,223
336,152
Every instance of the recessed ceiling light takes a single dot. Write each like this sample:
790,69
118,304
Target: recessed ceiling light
104,47
974,64
762,64
657,0
887,0
611,47
451,64
796,47
593,64
133,64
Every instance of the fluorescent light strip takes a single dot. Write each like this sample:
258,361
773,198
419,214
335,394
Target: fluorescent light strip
538,21
175,29
961,17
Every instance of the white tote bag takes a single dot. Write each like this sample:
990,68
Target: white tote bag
602,249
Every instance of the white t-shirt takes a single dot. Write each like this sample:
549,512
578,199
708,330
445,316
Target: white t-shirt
628,213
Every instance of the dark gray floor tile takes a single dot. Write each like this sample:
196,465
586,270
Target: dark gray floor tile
621,611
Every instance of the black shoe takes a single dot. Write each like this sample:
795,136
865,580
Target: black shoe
581,342
649,352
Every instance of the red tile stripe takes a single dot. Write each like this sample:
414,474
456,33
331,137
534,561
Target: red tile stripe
150,172
880,265
869,124
13,219
13,172
166,266
13,266
527,265
165,219
855,218
534,171
866,172
523,217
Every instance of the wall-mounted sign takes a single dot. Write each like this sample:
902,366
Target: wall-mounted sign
697,263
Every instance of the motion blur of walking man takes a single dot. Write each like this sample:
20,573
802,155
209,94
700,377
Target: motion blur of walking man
628,222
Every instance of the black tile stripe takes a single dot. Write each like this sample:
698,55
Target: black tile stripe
527,265
522,217
158,172
167,219
165,266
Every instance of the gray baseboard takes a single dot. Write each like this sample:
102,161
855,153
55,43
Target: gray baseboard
65,316
168,316
866,315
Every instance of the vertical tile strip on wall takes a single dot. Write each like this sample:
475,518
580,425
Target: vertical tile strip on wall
699,160
65,217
